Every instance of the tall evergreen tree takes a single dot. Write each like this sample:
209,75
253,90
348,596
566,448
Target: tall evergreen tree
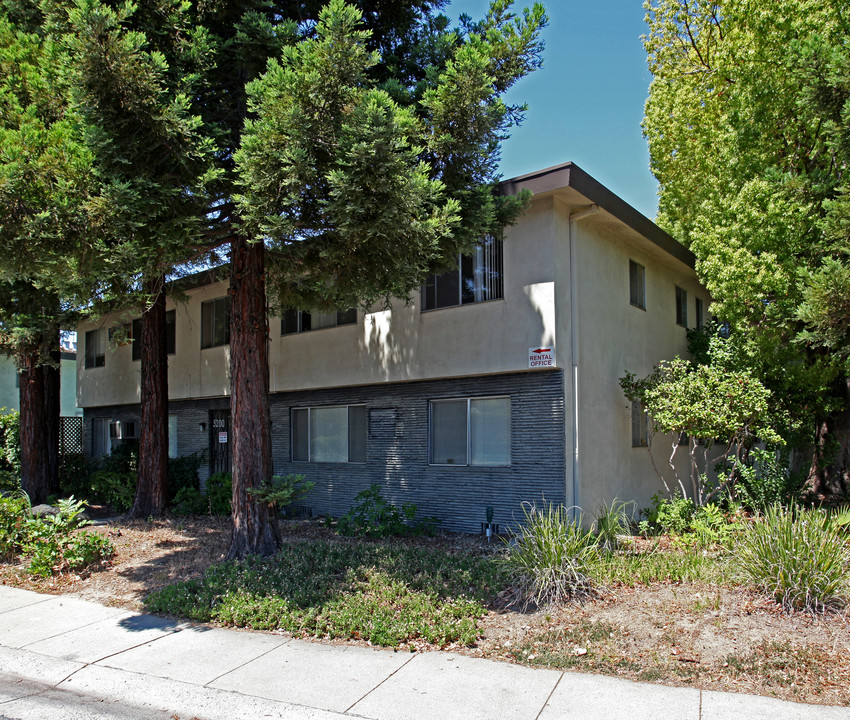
44,186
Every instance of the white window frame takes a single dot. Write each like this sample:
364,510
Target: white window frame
469,461
309,410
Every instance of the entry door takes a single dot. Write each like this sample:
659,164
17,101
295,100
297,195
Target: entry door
220,441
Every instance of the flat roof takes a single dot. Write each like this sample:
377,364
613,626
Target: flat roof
571,175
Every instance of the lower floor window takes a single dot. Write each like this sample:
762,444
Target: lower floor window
471,431
101,440
172,436
329,434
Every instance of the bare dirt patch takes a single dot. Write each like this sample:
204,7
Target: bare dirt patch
717,638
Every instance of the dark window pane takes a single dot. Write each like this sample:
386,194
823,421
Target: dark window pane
447,288
289,322
357,433
306,322
346,317
300,435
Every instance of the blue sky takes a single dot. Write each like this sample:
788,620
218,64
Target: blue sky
586,103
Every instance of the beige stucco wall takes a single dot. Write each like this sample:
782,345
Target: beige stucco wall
616,337
398,344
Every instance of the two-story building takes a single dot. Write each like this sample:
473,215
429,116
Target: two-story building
494,386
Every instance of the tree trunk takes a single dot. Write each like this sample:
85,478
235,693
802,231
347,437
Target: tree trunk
52,411
152,481
829,474
255,527
35,468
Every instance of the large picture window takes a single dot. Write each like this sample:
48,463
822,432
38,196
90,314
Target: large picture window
296,321
95,348
329,434
471,431
477,278
215,322
170,335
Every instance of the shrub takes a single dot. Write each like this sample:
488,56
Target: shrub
796,556
374,516
190,501
14,510
612,521
766,480
550,560
671,516
282,490
183,473
52,546
113,488
74,475
220,493
10,442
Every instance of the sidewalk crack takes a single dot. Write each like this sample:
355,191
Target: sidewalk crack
549,697
404,664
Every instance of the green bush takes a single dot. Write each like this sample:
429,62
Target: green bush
797,556
74,475
612,522
190,501
551,559
183,473
282,490
113,488
220,493
374,516
766,480
14,511
671,516
50,542
10,442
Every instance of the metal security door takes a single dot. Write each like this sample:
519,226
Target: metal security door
220,442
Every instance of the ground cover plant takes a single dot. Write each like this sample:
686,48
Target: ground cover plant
49,544
387,593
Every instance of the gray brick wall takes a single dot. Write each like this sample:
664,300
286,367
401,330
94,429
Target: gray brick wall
397,447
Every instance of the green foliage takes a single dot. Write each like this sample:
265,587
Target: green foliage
550,560
797,556
374,516
113,488
671,515
282,490
613,521
767,480
386,593
703,527
51,542
183,473
748,135
10,444
220,493
14,510
189,501
73,474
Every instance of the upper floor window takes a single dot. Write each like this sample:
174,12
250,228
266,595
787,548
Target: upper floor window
96,348
215,322
170,335
681,307
637,285
699,313
478,277
296,321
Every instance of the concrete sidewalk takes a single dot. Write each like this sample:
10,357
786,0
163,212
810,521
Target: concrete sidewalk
65,658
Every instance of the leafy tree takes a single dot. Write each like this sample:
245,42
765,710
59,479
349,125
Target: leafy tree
747,126
719,406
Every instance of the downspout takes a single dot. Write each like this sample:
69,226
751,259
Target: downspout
574,337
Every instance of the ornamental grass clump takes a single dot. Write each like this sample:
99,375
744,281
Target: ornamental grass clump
549,561
797,556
